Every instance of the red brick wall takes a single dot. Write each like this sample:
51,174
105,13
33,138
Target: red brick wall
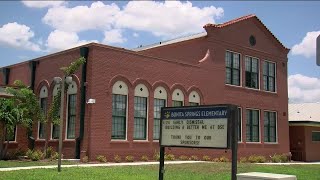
297,143
312,148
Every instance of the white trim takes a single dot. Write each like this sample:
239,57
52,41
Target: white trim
194,97
162,95
72,91
259,125
147,121
177,95
121,91
172,41
259,72
43,92
141,91
276,142
240,68
127,105
275,77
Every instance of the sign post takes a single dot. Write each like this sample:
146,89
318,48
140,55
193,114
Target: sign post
213,127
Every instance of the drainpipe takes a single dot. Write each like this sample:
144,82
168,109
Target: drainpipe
84,51
33,67
6,75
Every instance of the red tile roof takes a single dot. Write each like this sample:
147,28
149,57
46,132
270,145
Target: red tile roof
242,19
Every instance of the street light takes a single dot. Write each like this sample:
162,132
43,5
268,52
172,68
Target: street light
58,80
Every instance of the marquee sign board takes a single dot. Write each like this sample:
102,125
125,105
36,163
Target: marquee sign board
198,126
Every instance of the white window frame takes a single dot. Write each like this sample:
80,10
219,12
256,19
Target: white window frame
259,112
275,77
124,91
240,65
42,95
71,91
145,94
259,73
163,97
276,142
195,99
176,97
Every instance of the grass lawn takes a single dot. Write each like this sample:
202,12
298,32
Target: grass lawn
201,171
17,163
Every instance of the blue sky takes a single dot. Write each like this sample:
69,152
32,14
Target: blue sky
31,29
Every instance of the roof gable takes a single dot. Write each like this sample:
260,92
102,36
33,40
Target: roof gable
236,23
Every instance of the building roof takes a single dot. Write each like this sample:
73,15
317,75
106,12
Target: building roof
199,35
304,112
172,41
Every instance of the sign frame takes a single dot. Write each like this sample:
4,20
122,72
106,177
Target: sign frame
232,136
229,124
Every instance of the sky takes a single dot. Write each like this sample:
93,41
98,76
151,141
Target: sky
30,29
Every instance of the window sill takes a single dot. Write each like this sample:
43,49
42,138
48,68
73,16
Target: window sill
119,141
271,143
142,141
11,142
230,85
40,140
253,143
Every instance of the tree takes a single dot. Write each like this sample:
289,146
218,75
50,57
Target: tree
54,110
20,109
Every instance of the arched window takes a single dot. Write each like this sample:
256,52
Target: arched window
43,104
160,100
141,95
72,110
55,128
177,98
194,99
119,110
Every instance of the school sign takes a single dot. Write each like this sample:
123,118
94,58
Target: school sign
201,127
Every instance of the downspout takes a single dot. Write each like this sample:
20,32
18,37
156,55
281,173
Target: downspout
84,51
6,75
33,67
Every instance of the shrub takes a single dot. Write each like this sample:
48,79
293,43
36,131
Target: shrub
117,158
223,159
29,153
206,158
54,156
194,158
101,158
169,157
49,152
36,155
156,156
216,160
243,160
279,158
85,159
129,158
144,158
256,159
183,158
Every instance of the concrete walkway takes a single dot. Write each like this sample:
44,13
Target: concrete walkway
291,163
99,165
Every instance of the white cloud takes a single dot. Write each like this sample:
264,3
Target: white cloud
307,47
303,89
42,4
60,40
135,35
17,36
113,36
80,18
166,19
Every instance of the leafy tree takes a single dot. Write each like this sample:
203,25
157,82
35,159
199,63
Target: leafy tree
54,110
20,109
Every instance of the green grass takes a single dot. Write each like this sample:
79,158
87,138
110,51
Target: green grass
201,171
16,163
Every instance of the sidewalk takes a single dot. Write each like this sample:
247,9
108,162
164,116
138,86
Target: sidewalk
98,165
291,163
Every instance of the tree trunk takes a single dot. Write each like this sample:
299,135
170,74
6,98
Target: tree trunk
4,152
2,138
